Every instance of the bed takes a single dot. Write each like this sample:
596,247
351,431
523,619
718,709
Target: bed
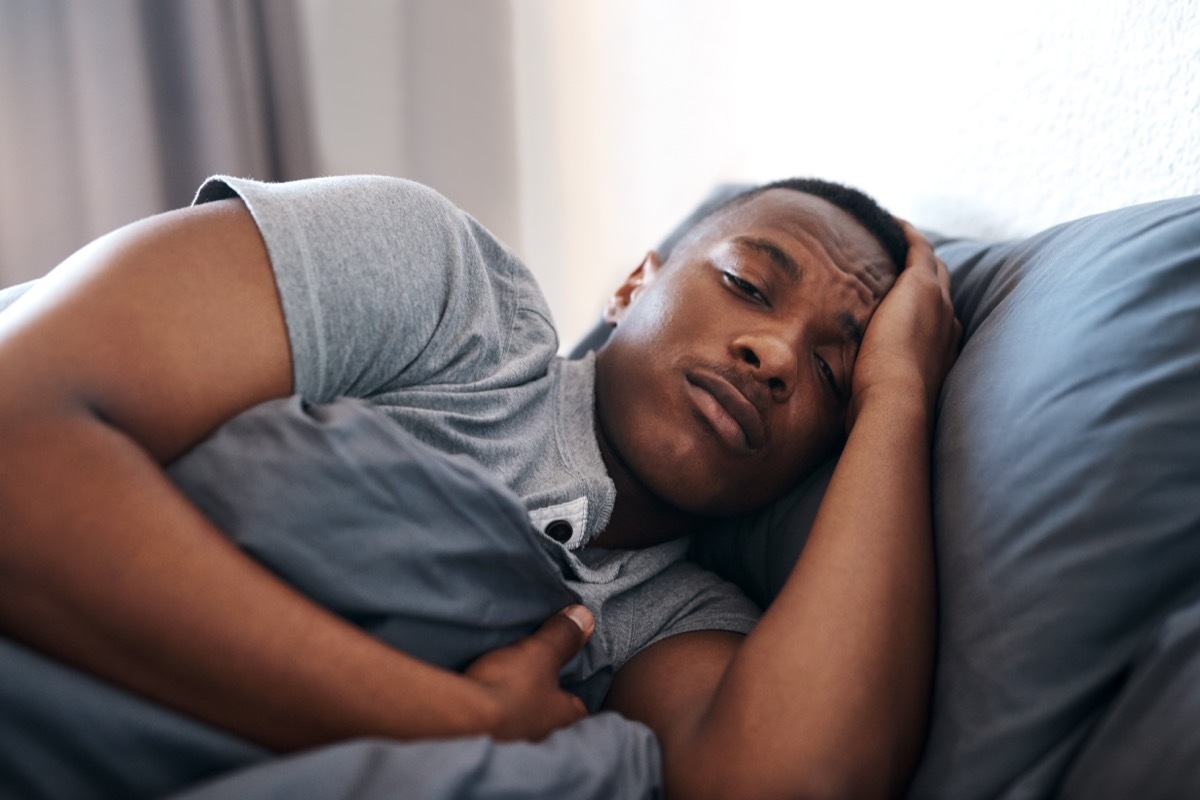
1067,527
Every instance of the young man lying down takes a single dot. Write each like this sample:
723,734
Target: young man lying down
790,319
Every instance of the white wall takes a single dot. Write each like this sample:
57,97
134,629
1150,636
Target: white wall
988,119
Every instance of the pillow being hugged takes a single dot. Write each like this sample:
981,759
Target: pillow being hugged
1066,488
426,551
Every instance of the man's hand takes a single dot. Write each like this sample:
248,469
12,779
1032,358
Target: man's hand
522,679
913,338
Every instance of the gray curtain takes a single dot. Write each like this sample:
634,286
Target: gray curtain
112,110
460,126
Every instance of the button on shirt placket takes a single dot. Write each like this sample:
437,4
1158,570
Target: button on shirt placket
565,523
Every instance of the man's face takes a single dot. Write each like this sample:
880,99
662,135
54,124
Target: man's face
727,376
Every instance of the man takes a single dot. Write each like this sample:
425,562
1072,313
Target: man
733,368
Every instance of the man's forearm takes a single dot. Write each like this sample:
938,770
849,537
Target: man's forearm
105,565
835,678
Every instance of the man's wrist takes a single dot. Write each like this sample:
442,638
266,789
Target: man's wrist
909,404
479,712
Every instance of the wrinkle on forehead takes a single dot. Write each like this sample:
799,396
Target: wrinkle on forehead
829,233
853,251
850,264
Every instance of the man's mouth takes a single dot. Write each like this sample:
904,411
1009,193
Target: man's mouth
728,410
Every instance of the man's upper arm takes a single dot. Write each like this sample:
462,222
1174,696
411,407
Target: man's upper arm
670,684
165,329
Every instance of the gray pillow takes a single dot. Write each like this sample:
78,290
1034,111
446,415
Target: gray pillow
1145,745
426,551
1066,489
1066,507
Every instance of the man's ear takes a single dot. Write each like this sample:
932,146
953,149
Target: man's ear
628,292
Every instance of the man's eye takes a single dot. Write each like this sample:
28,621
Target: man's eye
829,376
745,287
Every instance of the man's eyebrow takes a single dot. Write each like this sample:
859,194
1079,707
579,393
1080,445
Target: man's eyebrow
776,254
851,328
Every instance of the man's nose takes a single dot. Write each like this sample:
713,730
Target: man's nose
773,360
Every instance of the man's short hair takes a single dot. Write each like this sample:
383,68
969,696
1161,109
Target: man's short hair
878,222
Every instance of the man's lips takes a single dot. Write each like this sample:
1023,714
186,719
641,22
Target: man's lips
728,410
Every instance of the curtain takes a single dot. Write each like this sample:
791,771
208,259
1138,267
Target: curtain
112,110
422,89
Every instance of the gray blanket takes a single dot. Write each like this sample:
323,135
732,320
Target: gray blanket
427,552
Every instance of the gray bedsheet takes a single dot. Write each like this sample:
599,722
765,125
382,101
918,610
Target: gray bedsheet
424,551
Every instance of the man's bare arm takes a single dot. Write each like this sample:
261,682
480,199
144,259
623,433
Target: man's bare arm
827,697
131,352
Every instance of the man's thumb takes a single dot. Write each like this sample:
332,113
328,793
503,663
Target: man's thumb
567,631
582,617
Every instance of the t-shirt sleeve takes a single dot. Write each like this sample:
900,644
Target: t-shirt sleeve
705,602
683,598
385,284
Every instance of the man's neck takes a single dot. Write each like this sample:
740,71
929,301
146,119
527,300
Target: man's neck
639,517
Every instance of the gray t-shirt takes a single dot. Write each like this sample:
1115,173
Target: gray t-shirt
393,295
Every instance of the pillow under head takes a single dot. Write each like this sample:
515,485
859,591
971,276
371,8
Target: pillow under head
1066,488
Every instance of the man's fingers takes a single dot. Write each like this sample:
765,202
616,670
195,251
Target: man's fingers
564,634
523,677
920,249
943,274
582,617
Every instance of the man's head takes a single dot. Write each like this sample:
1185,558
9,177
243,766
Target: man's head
728,372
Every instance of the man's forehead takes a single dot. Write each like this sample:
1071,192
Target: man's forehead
811,224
